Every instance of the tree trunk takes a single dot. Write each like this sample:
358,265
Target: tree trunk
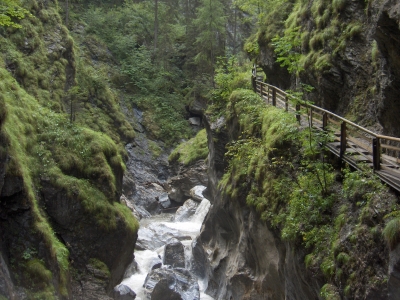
66,13
155,25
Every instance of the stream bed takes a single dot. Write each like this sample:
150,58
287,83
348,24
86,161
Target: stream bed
154,234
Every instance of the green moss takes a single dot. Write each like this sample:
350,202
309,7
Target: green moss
99,265
392,232
44,143
125,213
191,150
330,292
154,148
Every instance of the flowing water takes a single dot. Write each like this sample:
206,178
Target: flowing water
154,233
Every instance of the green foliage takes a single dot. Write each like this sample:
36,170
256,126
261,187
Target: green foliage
229,76
11,10
361,185
39,279
392,232
210,23
99,265
330,292
44,143
287,50
156,88
192,150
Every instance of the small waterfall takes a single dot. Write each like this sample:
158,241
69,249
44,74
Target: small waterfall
154,233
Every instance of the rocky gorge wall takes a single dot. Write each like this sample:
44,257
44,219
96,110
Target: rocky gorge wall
247,260
61,219
245,245
349,54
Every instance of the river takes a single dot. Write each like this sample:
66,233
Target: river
154,234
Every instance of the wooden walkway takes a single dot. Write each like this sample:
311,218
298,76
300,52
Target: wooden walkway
352,143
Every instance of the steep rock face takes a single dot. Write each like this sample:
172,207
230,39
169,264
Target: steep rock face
387,35
246,258
351,75
185,178
106,244
47,236
146,175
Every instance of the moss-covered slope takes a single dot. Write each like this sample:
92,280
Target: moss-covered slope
319,230
346,52
61,161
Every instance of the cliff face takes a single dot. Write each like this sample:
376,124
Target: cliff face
348,54
272,232
64,233
247,260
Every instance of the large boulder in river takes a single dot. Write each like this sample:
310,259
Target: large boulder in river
197,192
174,254
171,284
123,292
186,211
155,236
186,177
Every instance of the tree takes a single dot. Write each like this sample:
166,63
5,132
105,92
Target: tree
210,23
11,10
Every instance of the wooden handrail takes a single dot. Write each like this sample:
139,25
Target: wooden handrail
374,141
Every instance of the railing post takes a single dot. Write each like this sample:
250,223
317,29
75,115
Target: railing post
268,94
261,90
298,112
324,121
274,97
311,117
343,138
376,153
286,103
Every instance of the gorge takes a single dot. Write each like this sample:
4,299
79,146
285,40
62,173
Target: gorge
111,112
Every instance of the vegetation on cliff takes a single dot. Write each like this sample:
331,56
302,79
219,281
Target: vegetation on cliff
337,216
61,125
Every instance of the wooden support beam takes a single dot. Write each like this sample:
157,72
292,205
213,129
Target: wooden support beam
286,103
298,113
343,138
324,121
376,153
274,97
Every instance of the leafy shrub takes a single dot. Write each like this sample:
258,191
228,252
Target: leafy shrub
192,150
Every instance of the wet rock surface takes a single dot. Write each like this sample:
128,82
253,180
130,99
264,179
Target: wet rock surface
185,211
123,292
148,173
185,178
155,236
174,254
167,283
241,256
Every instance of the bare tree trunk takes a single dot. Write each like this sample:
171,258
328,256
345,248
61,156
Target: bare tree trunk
235,33
155,25
211,46
66,13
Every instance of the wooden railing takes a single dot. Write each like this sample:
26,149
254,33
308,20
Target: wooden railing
352,142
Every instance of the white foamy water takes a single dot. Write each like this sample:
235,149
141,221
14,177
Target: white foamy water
187,230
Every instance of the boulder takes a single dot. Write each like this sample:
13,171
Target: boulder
186,178
196,121
197,192
186,211
164,201
155,236
132,269
174,254
123,292
200,262
171,284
